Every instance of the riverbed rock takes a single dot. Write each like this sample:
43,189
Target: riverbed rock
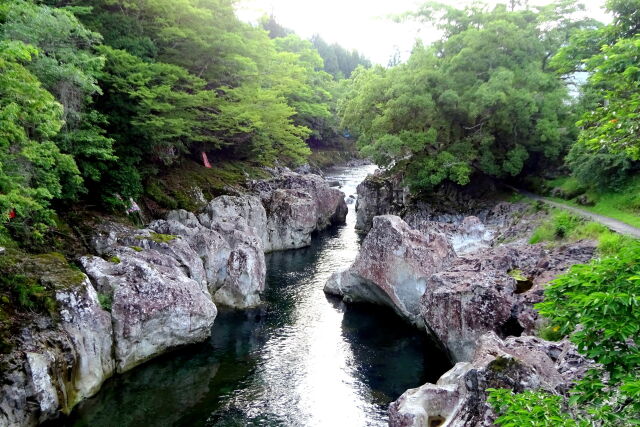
380,194
459,398
386,192
493,290
54,365
217,249
330,206
392,267
155,305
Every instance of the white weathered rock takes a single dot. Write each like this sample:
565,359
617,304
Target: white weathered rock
292,218
460,399
392,267
291,202
56,365
155,305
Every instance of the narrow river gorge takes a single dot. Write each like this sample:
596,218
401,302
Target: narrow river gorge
303,358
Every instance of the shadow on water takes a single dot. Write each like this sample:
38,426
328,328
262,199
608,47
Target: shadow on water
302,359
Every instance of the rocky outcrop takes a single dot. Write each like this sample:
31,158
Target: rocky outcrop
297,205
380,195
493,290
155,305
56,364
459,398
392,267
223,254
386,193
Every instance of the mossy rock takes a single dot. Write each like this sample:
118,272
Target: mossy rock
175,189
158,237
28,285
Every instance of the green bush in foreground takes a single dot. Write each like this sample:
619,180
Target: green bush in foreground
598,306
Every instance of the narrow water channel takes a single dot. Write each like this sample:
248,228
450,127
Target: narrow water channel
303,359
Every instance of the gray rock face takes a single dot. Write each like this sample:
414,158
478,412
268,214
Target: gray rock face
57,365
393,266
459,398
292,218
222,253
386,193
493,290
296,205
155,305
378,195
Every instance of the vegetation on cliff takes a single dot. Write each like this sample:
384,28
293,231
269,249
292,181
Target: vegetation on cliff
100,99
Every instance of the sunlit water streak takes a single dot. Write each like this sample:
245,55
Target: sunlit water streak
303,359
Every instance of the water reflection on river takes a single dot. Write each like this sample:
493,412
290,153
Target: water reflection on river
303,359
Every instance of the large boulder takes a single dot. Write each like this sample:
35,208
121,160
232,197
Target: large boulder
379,194
324,204
493,290
217,249
292,217
459,398
55,365
230,249
392,267
155,306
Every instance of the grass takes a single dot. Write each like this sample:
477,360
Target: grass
623,205
562,227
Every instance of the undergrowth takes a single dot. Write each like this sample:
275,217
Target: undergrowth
563,226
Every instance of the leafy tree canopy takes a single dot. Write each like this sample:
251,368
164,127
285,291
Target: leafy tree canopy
482,98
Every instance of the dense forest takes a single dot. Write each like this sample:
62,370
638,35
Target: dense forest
99,96
101,99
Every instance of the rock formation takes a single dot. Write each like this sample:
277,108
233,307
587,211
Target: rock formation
493,290
392,267
56,364
459,398
155,305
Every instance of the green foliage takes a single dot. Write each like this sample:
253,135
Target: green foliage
33,171
338,61
566,187
596,305
105,301
601,169
607,149
531,408
621,203
561,225
470,101
68,68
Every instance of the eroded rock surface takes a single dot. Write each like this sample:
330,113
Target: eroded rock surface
296,205
393,266
459,398
54,365
493,290
155,305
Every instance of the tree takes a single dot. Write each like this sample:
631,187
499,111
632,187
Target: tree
33,171
471,101
67,66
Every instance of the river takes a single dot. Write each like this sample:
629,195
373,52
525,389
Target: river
302,359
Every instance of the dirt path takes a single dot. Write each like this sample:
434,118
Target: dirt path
612,224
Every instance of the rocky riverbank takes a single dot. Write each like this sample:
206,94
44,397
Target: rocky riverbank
470,282
142,292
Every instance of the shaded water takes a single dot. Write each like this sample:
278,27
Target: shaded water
303,359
